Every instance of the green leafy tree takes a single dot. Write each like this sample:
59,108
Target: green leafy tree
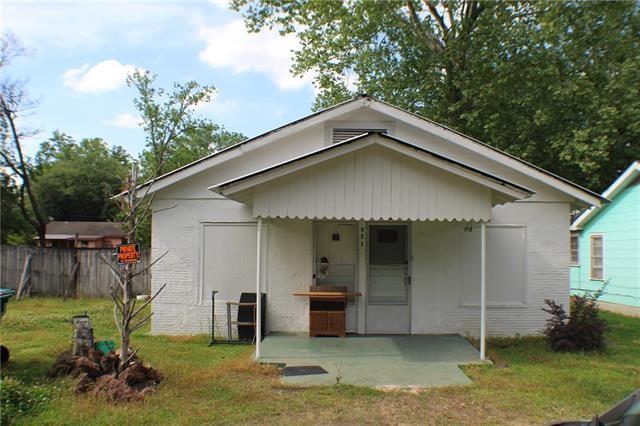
75,180
175,136
193,144
555,83
15,104
14,229
166,117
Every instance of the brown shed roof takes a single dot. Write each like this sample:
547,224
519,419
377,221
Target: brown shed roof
58,230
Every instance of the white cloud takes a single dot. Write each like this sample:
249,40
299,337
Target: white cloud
86,25
224,107
230,46
222,4
102,77
217,106
125,120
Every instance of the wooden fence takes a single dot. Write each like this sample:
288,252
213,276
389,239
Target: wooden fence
51,269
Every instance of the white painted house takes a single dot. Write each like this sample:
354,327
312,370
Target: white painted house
420,219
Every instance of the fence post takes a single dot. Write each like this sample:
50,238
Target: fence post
25,277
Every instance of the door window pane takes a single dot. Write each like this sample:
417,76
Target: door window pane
387,245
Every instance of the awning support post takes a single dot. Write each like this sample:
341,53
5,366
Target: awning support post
258,311
483,290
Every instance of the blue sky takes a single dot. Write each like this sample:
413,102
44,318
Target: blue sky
83,50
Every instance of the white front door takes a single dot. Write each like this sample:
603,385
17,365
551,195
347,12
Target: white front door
388,292
336,254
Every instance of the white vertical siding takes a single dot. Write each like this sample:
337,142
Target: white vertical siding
374,183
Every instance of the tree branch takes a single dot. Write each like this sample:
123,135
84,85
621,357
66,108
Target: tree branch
438,18
130,357
115,317
146,268
9,116
141,323
145,304
423,33
115,272
116,299
167,208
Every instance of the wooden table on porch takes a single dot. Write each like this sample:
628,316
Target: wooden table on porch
327,311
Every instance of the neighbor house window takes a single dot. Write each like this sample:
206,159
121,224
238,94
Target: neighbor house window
597,257
575,257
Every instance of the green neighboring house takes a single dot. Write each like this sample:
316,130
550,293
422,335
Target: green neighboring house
605,246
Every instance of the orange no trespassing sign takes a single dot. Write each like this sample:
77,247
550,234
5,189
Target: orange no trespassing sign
128,253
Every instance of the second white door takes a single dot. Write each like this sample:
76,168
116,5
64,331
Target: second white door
388,304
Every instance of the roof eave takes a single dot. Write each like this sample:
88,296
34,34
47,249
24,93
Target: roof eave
241,184
583,196
240,145
608,195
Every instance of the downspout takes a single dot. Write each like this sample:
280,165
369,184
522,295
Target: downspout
258,290
483,290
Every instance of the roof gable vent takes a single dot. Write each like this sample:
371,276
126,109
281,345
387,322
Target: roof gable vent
340,135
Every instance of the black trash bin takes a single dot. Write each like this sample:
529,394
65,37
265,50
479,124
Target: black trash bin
246,333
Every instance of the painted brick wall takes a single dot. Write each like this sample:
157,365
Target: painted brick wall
547,268
184,308
180,309
436,308
444,256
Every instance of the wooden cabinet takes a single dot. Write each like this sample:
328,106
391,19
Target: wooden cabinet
336,322
317,322
327,310
327,317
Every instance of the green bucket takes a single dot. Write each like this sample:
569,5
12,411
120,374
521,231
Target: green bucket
104,346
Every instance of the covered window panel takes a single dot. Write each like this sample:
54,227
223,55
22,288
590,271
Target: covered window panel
506,266
228,259
575,256
597,257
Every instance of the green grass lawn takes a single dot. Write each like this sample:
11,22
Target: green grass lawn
527,385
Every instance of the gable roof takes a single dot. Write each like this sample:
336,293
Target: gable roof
579,193
623,181
507,189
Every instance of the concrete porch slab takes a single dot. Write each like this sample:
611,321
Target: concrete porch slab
375,361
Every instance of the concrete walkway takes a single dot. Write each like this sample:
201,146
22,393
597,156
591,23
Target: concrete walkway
375,361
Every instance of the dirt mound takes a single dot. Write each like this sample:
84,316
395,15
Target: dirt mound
108,362
83,384
63,365
115,390
96,373
86,366
140,376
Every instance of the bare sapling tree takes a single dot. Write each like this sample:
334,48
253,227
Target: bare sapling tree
134,209
15,105
164,117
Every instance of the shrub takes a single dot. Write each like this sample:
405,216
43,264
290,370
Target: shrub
17,399
580,330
